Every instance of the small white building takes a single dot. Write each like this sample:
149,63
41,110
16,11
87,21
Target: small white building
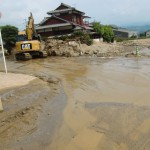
147,33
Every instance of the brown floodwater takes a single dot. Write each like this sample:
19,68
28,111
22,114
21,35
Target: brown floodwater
108,101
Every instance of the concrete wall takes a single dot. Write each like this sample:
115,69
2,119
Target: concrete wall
98,40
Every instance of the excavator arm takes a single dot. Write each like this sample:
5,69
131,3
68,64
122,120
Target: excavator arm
28,44
30,30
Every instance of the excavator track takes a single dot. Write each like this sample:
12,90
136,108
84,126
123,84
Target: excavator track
42,54
23,56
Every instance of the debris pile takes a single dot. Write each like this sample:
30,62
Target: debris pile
63,48
75,48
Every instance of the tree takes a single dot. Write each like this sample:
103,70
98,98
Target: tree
87,39
9,34
108,35
105,31
98,28
142,35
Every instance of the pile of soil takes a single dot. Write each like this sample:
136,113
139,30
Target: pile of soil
142,43
74,48
63,48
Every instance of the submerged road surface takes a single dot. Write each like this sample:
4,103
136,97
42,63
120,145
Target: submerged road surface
108,101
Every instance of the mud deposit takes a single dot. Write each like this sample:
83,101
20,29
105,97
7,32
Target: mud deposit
78,104
29,119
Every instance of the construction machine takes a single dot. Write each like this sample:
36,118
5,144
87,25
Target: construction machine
28,43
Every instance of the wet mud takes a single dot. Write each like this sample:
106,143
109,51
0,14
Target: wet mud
31,114
91,104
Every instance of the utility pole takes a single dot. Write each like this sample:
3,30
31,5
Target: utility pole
1,45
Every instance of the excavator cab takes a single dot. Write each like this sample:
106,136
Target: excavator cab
21,36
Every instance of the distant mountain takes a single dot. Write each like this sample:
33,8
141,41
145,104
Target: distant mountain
139,29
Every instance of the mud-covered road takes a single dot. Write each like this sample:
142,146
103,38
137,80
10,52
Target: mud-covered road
78,104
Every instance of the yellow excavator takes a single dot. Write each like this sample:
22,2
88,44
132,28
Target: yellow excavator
28,43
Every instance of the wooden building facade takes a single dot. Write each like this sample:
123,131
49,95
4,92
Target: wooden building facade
63,20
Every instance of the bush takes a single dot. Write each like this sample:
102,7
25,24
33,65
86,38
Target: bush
142,35
78,34
108,35
44,38
104,31
63,37
87,40
98,28
9,34
83,37
118,39
133,37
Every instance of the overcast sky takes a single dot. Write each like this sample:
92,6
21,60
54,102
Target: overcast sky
126,12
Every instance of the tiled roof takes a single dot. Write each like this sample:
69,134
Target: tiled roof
69,8
52,26
58,11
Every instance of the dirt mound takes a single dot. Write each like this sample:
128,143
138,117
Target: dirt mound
143,43
75,48
63,48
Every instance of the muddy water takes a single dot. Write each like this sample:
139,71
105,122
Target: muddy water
108,102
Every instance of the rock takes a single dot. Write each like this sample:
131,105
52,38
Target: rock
86,53
39,108
27,108
100,55
53,80
130,55
52,53
60,41
95,52
23,112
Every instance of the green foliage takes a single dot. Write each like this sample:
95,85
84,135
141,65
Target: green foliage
78,33
108,35
105,31
63,37
44,38
118,39
87,40
98,28
142,35
83,37
9,34
133,37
